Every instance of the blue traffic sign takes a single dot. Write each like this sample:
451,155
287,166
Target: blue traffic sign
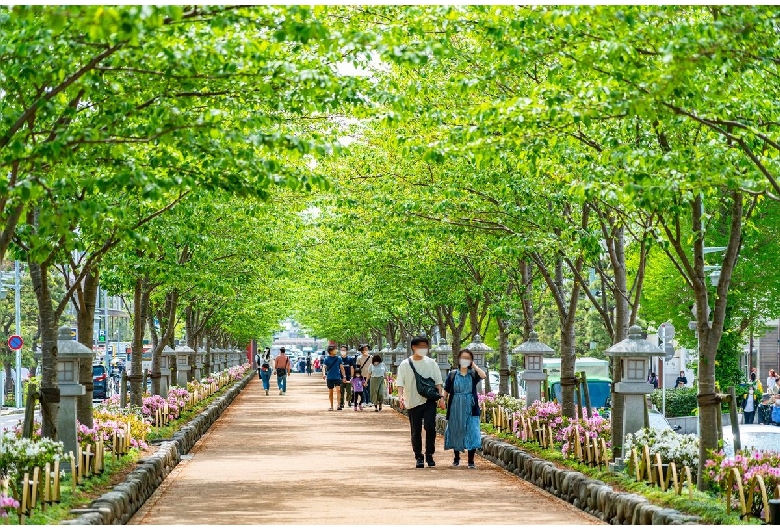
15,342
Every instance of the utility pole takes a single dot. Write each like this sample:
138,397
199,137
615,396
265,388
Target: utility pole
18,323
106,358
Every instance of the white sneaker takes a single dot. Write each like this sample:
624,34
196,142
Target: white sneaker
280,392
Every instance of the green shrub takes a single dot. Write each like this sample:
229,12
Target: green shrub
679,401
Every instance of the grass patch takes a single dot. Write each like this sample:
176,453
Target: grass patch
710,508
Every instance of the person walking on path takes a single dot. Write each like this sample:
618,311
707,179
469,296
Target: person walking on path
283,369
316,364
346,386
333,373
377,372
422,409
265,370
460,392
308,365
357,391
363,363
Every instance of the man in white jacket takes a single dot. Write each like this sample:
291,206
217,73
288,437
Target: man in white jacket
422,411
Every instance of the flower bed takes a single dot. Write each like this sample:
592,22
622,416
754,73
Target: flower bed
115,430
682,449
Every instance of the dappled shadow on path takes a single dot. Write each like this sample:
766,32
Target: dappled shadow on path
287,460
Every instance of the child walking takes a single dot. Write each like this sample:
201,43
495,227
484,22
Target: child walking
357,390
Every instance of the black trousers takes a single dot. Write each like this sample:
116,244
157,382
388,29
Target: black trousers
748,417
419,416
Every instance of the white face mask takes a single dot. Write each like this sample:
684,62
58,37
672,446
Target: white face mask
343,354
465,363
422,352
376,364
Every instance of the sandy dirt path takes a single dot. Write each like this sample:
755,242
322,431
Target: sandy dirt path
287,460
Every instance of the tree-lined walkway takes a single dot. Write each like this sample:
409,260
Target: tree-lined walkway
287,460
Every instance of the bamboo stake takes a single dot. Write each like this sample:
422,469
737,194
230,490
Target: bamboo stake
56,488
80,467
25,498
47,484
687,471
73,471
648,465
663,482
675,482
34,487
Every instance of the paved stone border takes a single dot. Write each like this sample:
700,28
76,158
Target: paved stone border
589,495
120,504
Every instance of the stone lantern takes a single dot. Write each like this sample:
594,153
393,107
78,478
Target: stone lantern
443,353
167,359
199,359
634,355
70,355
235,356
533,353
222,359
401,353
183,353
215,359
387,356
480,351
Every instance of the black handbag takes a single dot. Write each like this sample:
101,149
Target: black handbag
426,386
283,371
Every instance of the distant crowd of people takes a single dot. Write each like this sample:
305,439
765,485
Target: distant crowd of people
359,382
761,401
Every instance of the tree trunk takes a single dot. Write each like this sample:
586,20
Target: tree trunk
620,330
503,356
140,306
190,325
568,360
526,296
156,352
85,323
50,391
710,333
9,384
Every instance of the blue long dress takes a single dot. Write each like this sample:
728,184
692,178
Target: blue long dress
462,433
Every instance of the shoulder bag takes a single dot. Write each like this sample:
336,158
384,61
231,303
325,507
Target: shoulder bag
426,386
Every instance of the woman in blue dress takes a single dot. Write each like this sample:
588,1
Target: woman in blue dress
460,391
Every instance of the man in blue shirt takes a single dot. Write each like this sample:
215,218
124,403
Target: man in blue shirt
333,373
346,384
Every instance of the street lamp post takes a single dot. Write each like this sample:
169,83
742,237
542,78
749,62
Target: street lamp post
18,327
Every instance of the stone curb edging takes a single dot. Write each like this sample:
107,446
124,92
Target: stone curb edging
589,495
120,504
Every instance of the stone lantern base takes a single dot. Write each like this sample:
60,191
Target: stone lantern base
533,386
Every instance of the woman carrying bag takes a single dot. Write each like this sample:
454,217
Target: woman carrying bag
460,392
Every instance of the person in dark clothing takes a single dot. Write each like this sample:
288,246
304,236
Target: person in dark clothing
346,385
308,365
333,373
653,380
681,380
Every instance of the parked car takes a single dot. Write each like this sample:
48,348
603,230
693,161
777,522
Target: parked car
759,437
100,382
